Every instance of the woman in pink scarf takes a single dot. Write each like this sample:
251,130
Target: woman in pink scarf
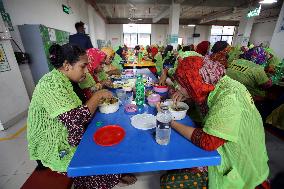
95,66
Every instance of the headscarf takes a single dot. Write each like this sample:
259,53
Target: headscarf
221,56
256,55
95,57
193,73
202,48
108,51
154,51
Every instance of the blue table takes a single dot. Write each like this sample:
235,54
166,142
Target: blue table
138,152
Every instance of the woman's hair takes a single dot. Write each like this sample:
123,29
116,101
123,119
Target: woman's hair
58,54
219,46
168,48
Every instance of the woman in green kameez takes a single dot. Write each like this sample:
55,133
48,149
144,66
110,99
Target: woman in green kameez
232,126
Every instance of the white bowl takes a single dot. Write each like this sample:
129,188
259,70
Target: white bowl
109,108
177,115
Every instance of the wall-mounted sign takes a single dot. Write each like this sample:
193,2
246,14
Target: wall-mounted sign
254,12
66,9
4,64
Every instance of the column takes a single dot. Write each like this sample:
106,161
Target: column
174,25
277,41
244,31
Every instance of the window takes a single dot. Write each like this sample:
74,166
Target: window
136,34
180,40
222,33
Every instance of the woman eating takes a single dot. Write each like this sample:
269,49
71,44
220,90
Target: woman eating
108,67
57,118
232,126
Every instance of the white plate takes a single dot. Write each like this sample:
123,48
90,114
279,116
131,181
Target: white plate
143,121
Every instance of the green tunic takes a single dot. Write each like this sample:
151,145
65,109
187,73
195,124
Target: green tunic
116,62
47,136
233,117
159,63
249,74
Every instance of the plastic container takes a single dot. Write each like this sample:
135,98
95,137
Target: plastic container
160,89
163,127
153,99
177,115
109,108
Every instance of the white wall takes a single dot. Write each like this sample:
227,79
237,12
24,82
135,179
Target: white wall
13,94
48,13
14,99
186,34
114,34
262,32
277,42
159,33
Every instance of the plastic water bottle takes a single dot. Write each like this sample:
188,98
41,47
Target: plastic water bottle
140,91
163,128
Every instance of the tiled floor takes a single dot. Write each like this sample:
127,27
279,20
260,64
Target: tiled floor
15,166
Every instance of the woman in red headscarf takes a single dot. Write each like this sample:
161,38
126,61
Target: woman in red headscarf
95,67
232,126
203,47
96,79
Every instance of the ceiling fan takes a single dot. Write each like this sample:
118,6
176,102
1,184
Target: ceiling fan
132,16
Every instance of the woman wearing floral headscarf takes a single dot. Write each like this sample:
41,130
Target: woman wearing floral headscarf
232,126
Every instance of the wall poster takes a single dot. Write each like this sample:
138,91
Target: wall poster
4,64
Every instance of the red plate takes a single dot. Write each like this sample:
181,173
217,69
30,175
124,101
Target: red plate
109,135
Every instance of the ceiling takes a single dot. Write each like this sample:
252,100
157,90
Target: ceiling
205,12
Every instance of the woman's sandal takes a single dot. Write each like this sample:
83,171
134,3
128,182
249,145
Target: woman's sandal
127,179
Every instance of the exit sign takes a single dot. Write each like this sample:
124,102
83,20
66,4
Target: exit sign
254,12
66,9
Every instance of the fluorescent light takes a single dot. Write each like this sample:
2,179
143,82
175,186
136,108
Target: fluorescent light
191,25
139,19
267,1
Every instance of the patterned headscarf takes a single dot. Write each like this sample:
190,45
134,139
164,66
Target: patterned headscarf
108,51
256,55
202,48
95,57
221,56
198,76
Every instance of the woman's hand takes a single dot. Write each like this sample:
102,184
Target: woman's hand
94,101
163,78
107,83
102,94
178,97
98,86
